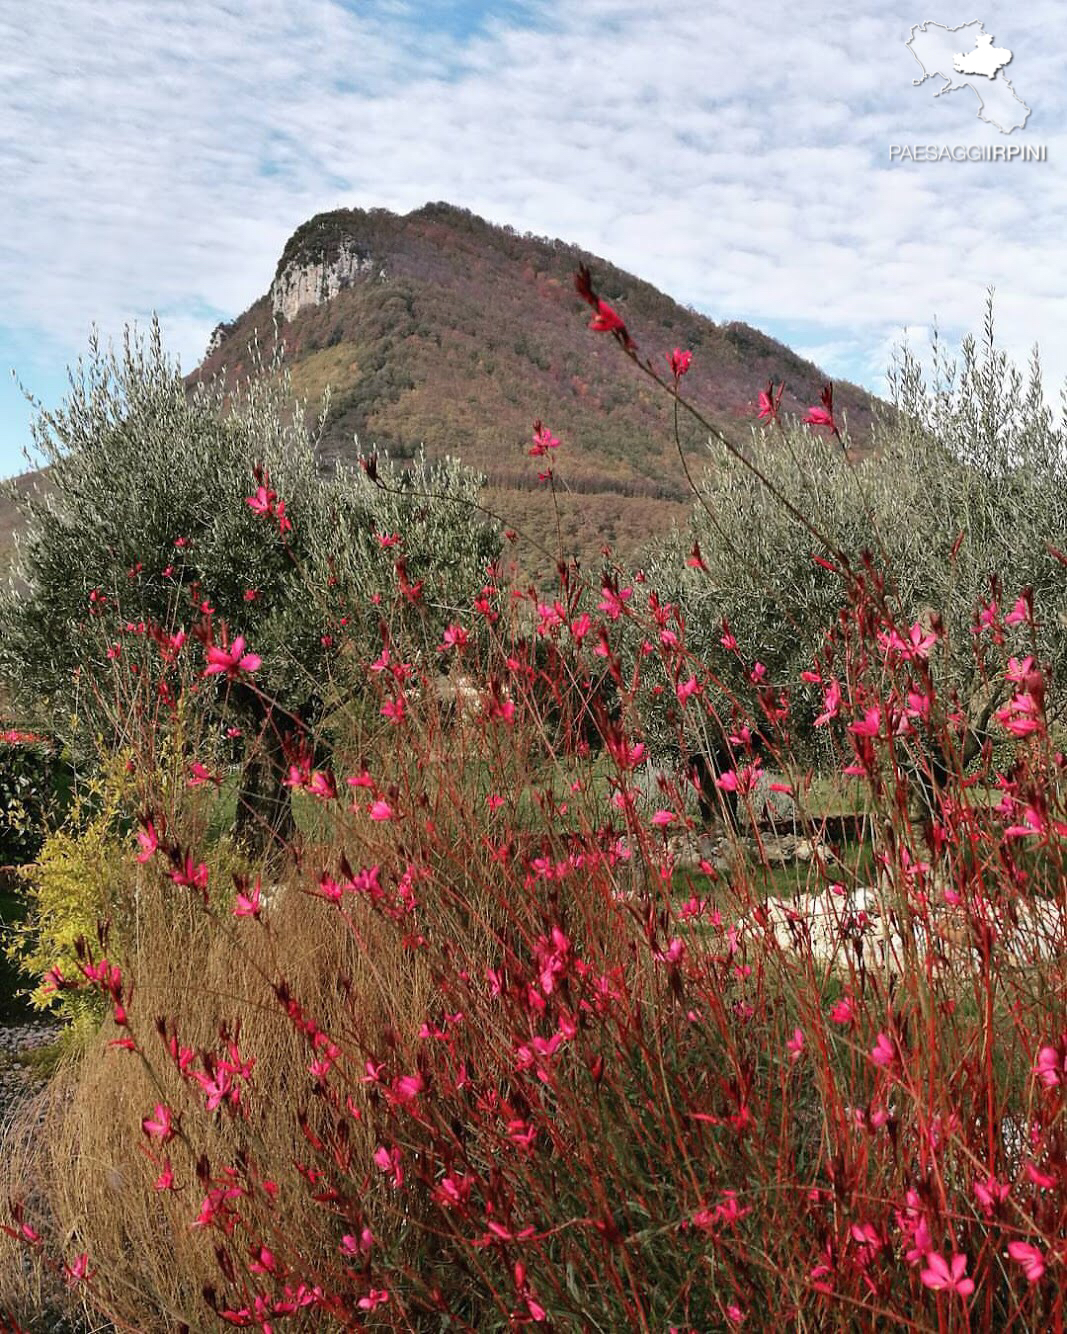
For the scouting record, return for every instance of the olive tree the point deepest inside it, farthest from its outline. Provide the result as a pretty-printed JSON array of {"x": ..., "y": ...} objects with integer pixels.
[
  {"x": 172, "y": 512},
  {"x": 958, "y": 501}
]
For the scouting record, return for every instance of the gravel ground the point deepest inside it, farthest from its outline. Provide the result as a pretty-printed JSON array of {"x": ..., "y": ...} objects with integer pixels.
[
  {"x": 18, "y": 1082},
  {"x": 16, "y": 1079}
]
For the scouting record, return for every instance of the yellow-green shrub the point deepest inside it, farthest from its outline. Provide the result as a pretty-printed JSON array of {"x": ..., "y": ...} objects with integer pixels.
[{"x": 79, "y": 880}]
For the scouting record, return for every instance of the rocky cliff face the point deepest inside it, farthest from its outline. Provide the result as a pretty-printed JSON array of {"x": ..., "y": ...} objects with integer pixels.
[{"x": 312, "y": 283}]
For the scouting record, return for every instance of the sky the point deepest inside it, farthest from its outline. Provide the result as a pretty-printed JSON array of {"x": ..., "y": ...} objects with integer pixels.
[{"x": 156, "y": 155}]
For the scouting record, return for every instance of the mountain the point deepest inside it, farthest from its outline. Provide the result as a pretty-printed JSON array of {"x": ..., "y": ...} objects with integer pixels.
[
  {"x": 10, "y": 518},
  {"x": 440, "y": 329}
]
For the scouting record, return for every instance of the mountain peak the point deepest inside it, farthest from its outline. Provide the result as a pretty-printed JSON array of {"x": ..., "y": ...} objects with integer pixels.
[
  {"x": 324, "y": 256},
  {"x": 441, "y": 330}
]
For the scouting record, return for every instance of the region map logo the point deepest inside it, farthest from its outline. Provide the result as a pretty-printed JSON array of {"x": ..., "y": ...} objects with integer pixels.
[
  {"x": 966, "y": 60},
  {"x": 965, "y": 57}
]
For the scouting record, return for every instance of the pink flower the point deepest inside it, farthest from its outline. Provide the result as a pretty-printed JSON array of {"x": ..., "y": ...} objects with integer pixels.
[
  {"x": 1033, "y": 822},
  {"x": 1022, "y": 715},
  {"x": 247, "y": 904},
  {"x": 987, "y": 620},
  {"x": 1051, "y": 1065},
  {"x": 381, "y": 810},
  {"x": 170, "y": 645},
  {"x": 186, "y": 874},
  {"x": 389, "y": 1160},
  {"x": 613, "y": 603},
  {"x": 1031, "y": 1259},
  {"x": 395, "y": 709},
  {"x": 323, "y": 785},
  {"x": 796, "y": 1045},
  {"x": 844, "y": 1011},
  {"x": 947, "y": 1276},
  {"x": 361, "y": 1245},
  {"x": 686, "y": 689},
  {"x": 1042, "y": 1180},
  {"x": 55, "y": 981},
  {"x": 823, "y": 416},
  {"x": 375, "y": 1297},
  {"x": 679, "y": 361},
  {"x": 217, "y": 1088},
  {"x": 543, "y": 440},
  {"x": 871, "y": 723},
  {"x": 991, "y": 1192},
  {"x": 912, "y": 1222},
  {"x": 662, "y": 819},
  {"x": 867, "y": 1238},
  {"x": 606, "y": 319},
  {"x": 581, "y": 627},
  {"x": 231, "y": 661},
  {"x": 625, "y": 754},
  {"x": 262, "y": 502},
  {"x": 674, "y": 953},
  {"x": 408, "y": 1087},
  {"x": 916, "y": 647},
  {"x": 1018, "y": 671},
  {"x": 831, "y": 704},
  {"x": 741, "y": 780},
  {"x": 769, "y": 402},
  {"x": 499, "y": 708},
  {"x": 1021, "y": 613},
  {"x": 883, "y": 1053},
  {"x": 13, "y": 737},
  {"x": 550, "y": 616},
  {"x": 78, "y": 1271},
  {"x": 455, "y": 636},
  {"x": 160, "y": 1125},
  {"x": 148, "y": 839}
]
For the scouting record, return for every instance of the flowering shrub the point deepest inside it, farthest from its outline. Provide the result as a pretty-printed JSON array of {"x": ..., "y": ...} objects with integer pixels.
[{"x": 507, "y": 1048}]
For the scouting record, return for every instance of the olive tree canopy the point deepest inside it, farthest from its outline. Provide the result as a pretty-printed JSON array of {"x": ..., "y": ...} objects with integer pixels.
[
  {"x": 957, "y": 502},
  {"x": 172, "y": 512}
]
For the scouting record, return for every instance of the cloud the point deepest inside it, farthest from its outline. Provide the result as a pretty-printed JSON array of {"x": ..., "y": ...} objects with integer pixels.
[{"x": 157, "y": 154}]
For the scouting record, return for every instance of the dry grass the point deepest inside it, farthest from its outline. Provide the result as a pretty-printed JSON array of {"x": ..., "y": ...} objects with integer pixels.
[{"x": 79, "y": 1151}]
